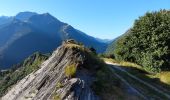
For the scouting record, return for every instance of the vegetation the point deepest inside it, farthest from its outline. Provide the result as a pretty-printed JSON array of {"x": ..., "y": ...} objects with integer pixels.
[
  {"x": 107, "y": 84},
  {"x": 56, "y": 97},
  {"x": 123, "y": 63},
  {"x": 164, "y": 77},
  {"x": 93, "y": 50},
  {"x": 59, "y": 85},
  {"x": 103, "y": 84},
  {"x": 17, "y": 72},
  {"x": 70, "y": 70},
  {"x": 147, "y": 42},
  {"x": 160, "y": 80},
  {"x": 111, "y": 46}
]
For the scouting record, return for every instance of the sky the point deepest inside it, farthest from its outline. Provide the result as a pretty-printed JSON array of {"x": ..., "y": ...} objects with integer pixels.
[{"x": 106, "y": 19}]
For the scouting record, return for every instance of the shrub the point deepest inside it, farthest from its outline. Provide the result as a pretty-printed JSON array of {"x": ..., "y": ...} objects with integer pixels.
[{"x": 70, "y": 70}]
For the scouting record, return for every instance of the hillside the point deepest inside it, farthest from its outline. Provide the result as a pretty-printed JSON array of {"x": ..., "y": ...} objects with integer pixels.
[
  {"x": 29, "y": 32},
  {"x": 19, "y": 71},
  {"x": 112, "y": 44}
]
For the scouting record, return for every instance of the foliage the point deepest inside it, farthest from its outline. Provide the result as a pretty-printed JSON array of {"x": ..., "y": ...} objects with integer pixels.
[
  {"x": 19, "y": 71},
  {"x": 106, "y": 55},
  {"x": 70, "y": 70},
  {"x": 147, "y": 42},
  {"x": 93, "y": 50},
  {"x": 110, "y": 48}
]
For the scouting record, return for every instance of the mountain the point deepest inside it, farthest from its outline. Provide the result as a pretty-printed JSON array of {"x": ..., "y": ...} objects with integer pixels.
[
  {"x": 5, "y": 20},
  {"x": 24, "y": 16},
  {"x": 111, "y": 47},
  {"x": 112, "y": 44},
  {"x": 30, "y": 32},
  {"x": 104, "y": 40}
]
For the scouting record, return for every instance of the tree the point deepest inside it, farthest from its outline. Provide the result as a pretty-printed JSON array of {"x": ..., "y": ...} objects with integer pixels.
[
  {"x": 93, "y": 50},
  {"x": 148, "y": 42}
]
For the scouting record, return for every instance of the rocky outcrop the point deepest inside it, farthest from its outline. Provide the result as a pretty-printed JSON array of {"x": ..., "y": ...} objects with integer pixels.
[{"x": 50, "y": 81}]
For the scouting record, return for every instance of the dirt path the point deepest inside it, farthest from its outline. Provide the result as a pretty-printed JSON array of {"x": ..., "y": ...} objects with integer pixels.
[{"x": 115, "y": 67}]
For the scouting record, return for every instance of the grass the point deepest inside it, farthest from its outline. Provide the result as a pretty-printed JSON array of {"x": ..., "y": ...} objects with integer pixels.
[
  {"x": 59, "y": 85},
  {"x": 103, "y": 85},
  {"x": 70, "y": 45},
  {"x": 108, "y": 85},
  {"x": 164, "y": 77},
  {"x": 70, "y": 70},
  {"x": 56, "y": 97},
  {"x": 76, "y": 46}
]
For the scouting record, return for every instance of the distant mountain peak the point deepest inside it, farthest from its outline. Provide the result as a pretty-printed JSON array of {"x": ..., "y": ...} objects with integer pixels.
[
  {"x": 47, "y": 14},
  {"x": 25, "y": 15}
]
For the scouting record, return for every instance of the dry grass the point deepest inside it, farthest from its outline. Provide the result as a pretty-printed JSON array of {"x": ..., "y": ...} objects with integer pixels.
[
  {"x": 76, "y": 46},
  {"x": 70, "y": 70},
  {"x": 56, "y": 97},
  {"x": 70, "y": 45},
  {"x": 123, "y": 63},
  {"x": 164, "y": 77}
]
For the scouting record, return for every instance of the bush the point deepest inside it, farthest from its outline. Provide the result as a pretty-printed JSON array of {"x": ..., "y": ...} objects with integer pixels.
[
  {"x": 106, "y": 55},
  {"x": 70, "y": 70},
  {"x": 147, "y": 43}
]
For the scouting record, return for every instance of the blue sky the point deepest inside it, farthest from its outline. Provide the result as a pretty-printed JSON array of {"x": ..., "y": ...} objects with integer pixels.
[{"x": 98, "y": 18}]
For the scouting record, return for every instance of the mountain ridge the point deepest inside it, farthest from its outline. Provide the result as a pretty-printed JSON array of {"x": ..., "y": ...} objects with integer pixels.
[{"x": 42, "y": 32}]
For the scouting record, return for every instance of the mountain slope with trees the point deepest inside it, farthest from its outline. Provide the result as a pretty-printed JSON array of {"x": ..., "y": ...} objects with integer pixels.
[{"x": 19, "y": 71}]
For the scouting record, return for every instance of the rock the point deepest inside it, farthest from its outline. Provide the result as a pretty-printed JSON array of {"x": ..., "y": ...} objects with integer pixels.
[{"x": 42, "y": 84}]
